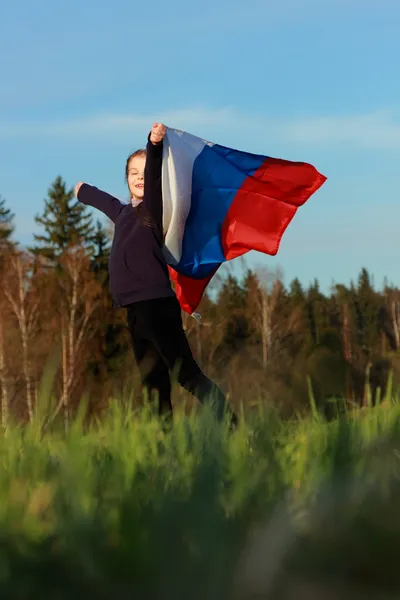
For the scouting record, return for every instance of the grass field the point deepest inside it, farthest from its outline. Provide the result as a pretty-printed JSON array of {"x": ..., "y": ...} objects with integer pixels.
[{"x": 123, "y": 509}]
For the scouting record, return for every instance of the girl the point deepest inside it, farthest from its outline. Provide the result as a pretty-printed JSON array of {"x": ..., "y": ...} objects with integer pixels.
[{"x": 139, "y": 280}]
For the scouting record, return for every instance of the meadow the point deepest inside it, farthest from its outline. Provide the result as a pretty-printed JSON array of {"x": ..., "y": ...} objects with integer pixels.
[{"x": 125, "y": 507}]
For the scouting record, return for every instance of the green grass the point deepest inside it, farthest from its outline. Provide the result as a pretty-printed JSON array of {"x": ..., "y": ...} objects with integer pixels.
[{"x": 124, "y": 509}]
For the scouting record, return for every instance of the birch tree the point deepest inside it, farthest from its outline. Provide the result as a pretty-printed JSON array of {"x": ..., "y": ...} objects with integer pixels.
[
  {"x": 79, "y": 295},
  {"x": 264, "y": 288},
  {"x": 19, "y": 290},
  {"x": 4, "y": 389}
]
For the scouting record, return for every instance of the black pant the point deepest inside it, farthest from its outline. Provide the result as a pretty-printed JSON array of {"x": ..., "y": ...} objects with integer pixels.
[{"x": 160, "y": 347}]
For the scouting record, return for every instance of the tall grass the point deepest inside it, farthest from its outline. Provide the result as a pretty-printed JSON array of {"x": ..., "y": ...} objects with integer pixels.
[{"x": 126, "y": 508}]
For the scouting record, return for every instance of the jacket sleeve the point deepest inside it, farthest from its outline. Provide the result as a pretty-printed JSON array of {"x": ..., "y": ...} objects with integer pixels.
[
  {"x": 92, "y": 196},
  {"x": 152, "y": 199}
]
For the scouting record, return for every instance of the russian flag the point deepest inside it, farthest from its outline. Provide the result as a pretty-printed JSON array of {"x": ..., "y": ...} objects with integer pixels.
[{"x": 219, "y": 203}]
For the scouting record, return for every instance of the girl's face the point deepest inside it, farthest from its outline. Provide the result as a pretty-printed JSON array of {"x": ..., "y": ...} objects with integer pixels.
[{"x": 136, "y": 177}]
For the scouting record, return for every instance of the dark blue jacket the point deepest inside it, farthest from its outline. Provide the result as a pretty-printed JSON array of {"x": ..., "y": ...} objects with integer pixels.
[{"x": 137, "y": 267}]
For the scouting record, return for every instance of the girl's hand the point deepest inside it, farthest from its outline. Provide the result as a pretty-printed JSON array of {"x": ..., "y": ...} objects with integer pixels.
[
  {"x": 77, "y": 187},
  {"x": 158, "y": 132}
]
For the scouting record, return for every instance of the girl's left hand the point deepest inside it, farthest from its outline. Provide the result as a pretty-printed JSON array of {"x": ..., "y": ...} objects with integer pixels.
[{"x": 158, "y": 132}]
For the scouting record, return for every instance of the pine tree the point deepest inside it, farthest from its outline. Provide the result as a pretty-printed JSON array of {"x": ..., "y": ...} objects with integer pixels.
[
  {"x": 316, "y": 312},
  {"x": 367, "y": 307},
  {"x": 101, "y": 244},
  {"x": 232, "y": 296},
  {"x": 6, "y": 224},
  {"x": 389, "y": 315},
  {"x": 66, "y": 223},
  {"x": 296, "y": 292},
  {"x": 252, "y": 289},
  {"x": 101, "y": 241},
  {"x": 232, "y": 304}
]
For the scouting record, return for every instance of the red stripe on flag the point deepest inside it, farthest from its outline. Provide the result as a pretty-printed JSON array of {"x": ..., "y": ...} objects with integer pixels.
[
  {"x": 189, "y": 291},
  {"x": 265, "y": 205}
]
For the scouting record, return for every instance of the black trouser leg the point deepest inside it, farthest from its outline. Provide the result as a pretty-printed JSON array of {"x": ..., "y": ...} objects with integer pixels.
[
  {"x": 162, "y": 321},
  {"x": 153, "y": 371},
  {"x": 197, "y": 383},
  {"x": 159, "y": 323}
]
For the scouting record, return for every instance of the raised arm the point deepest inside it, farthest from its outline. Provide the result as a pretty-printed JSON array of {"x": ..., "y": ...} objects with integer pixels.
[
  {"x": 152, "y": 198},
  {"x": 92, "y": 196}
]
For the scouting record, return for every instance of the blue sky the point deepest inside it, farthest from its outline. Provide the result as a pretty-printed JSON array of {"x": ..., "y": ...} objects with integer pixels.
[{"x": 297, "y": 79}]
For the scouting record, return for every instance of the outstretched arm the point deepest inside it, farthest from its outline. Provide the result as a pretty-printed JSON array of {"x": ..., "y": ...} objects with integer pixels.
[
  {"x": 92, "y": 196},
  {"x": 152, "y": 174}
]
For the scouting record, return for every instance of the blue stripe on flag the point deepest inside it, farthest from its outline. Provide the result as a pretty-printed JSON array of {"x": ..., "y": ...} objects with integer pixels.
[{"x": 218, "y": 173}]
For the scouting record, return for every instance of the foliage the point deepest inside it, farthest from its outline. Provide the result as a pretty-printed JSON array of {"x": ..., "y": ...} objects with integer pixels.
[
  {"x": 6, "y": 225},
  {"x": 128, "y": 509},
  {"x": 66, "y": 223}
]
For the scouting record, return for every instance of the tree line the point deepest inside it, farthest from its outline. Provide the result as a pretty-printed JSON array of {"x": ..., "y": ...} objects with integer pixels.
[{"x": 261, "y": 340}]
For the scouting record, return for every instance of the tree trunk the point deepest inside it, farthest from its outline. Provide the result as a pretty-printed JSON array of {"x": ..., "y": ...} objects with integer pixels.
[
  {"x": 25, "y": 340},
  {"x": 65, "y": 375},
  {"x": 267, "y": 304},
  {"x": 395, "y": 322},
  {"x": 79, "y": 301},
  {"x": 265, "y": 327},
  {"x": 346, "y": 335},
  {"x": 26, "y": 369},
  {"x": 26, "y": 322},
  {"x": 3, "y": 382}
]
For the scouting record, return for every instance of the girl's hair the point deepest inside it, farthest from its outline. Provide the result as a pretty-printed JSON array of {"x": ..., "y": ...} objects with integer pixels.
[{"x": 144, "y": 218}]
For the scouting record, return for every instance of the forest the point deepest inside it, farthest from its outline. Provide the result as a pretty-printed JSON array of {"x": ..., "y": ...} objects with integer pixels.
[{"x": 264, "y": 342}]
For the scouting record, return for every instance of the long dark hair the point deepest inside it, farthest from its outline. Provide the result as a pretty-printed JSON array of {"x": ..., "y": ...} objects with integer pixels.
[{"x": 143, "y": 217}]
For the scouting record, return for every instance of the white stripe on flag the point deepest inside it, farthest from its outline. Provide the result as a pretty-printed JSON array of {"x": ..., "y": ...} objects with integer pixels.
[{"x": 180, "y": 150}]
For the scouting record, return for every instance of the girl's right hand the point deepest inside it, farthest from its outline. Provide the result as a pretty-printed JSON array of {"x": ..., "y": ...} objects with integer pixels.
[
  {"x": 157, "y": 133},
  {"x": 77, "y": 187}
]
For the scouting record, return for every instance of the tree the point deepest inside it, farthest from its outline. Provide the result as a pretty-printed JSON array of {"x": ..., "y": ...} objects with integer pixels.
[
  {"x": 101, "y": 241},
  {"x": 390, "y": 316},
  {"x": 316, "y": 313},
  {"x": 263, "y": 292},
  {"x": 4, "y": 380},
  {"x": 232, "y": 302},
  {"x": 297, "y": 314},
  {"x": 296, "y": 292},
  {"x": 343, "y": 318},
  {"x": 101, "y": 246},
  {"x": 66, "y": 224},
  {"x": 6, "y": 224},
  {"x": 19, "y": 289},
  {"x": 78, "y": 301},
  {"x": 3, "y": 376},
  {"x": 6, "y": 229},
  {"x": 367, "y": 307}
]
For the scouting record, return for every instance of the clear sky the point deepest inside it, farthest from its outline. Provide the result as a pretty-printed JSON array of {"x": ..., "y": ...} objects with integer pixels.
[{"x": 312, "y": 80}]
